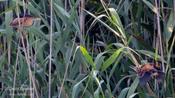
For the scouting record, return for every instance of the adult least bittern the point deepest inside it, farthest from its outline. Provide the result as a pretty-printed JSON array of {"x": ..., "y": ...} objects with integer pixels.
[{"x": 148, "y": 71}]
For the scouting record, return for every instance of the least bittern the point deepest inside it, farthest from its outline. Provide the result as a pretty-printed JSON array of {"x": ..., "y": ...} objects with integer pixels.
[
  {"x": 148, "y": 71},
  {"x": 22, "y": 21}
]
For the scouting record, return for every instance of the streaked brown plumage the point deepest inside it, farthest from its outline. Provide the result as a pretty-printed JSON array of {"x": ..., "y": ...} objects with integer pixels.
[
  {"x": 25, "y": 21},
  {"x": 148, "y": 71}
]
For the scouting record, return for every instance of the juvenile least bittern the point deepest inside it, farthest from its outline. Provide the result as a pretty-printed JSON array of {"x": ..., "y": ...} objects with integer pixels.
[{"x": 149, "y": 71}]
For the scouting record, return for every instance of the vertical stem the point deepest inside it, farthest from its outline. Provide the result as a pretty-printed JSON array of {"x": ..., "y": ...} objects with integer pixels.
[
  {"x": 24, "y": 7},
  {"x": 65, "y": 5},
  {"x": 14, "y": 79},
  {"x": 159, "y": 34},
  {"x": 82, "y": 18},
  {"x": 9, "y": 52},
  {"x": 174, "y": 10},
  {"x": 50, "y": 45},
  {"x": 82, "y": 6}
]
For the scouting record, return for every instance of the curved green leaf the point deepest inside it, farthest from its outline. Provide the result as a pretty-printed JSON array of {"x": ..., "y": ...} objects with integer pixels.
[
  {"x": 111, "y": 59},
  {"x": 87, "y": 56}
]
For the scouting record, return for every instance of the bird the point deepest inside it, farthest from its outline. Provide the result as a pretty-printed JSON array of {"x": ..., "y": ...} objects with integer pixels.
[
  {"x": 22, "y": 21},
  {"x": 149, "y": 71},
  {"x": 145, "y": 68}
]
